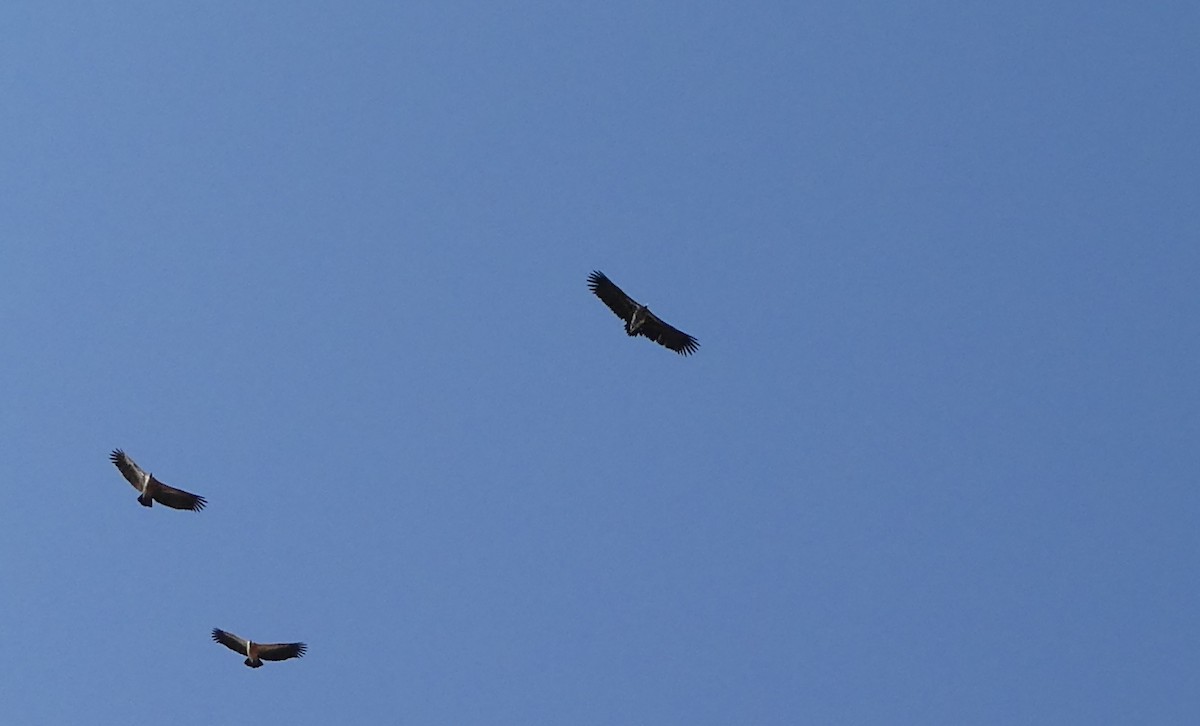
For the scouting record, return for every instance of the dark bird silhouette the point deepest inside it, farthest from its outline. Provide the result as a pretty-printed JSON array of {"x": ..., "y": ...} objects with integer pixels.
[
  {"x": 256, "y": 653},
  {"x": 151, "y": 490},
  {"x": 638, "y": 318}
]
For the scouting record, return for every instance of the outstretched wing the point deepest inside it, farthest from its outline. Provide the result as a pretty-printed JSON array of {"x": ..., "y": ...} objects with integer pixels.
[
  {"x": 281, "y": 651},
  {"x": 230, "y": 641},
  {"x": 665, "y": 335},
  {"x": 612, "y": 296},
  {"x": 176, "y": 498},
  {"x": 128, "y": 468}
]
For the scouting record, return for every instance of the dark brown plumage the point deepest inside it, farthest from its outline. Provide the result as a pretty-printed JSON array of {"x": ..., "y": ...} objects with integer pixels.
[
  {"x": 256, "y": 653},
  {"x": 151, "y": 490},
  {"x": 638, "y": 318}
]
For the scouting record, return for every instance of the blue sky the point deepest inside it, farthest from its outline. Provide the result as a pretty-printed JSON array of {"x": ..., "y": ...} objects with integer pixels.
[{"x": 324, "y": 264}]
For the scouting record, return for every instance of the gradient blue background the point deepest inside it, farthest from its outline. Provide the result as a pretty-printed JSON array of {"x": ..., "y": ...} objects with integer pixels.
[{"x": 324, "y": 264}]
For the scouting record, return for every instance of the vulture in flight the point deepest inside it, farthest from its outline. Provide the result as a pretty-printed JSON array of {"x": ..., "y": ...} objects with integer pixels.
[
  {"x": 256, "y": 653},
  {"x": 151, "y": 490},
  {"x": 638, "y": 318}
]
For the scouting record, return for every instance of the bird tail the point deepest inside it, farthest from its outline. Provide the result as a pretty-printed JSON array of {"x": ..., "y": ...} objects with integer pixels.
[
  {"x": 145, "y": 500},
  {"x": 253, "y": 663}
]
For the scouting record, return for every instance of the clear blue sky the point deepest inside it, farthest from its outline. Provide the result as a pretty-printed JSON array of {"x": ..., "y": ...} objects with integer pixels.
[{"x": 324, "y": 264}]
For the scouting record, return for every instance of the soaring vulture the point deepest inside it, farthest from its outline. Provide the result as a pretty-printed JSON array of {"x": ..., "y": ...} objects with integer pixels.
[
  {"x": 151, "y": 490},
  {"x": 638, "y": 318},
  {"x": 256, "y": 653}
]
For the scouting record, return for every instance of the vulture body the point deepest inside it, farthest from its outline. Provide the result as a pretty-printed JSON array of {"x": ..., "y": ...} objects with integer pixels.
[
  {"x": 638, "y": 318},
  {"x": 256, "y": 653},
  {"x": 150, "y": 489}
]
